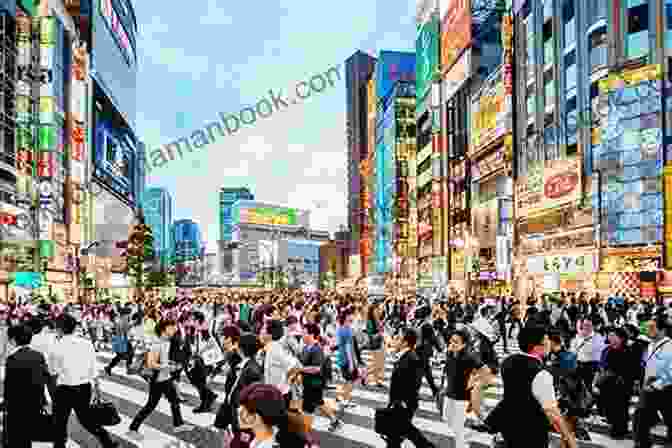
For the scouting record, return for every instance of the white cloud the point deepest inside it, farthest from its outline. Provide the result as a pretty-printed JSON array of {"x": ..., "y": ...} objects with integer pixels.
[
  {"x": 325, "y": 201},
  {"x": 322, "y": 163},
  {"x": 256, "y": 146}
]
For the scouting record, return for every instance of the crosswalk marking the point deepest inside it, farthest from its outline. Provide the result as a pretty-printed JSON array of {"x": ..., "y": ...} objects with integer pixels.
[{"x": 129, "y": 393}]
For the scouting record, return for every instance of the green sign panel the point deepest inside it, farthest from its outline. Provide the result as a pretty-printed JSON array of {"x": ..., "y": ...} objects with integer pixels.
[{"x": 427, "y": 50}]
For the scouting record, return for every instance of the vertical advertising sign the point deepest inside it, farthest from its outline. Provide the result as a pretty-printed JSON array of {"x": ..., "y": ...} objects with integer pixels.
[
  {"x": 489, "y": 114},
  {"x": 427, "y": 49},
  {"x": 456, "y": 27},
  {"x": 25, "y": 141},
  {"x": 667, "y": 185},
  {"x": 47, "y": 144}
]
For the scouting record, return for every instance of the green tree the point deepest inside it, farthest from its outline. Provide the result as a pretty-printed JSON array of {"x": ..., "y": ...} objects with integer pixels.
[{"x": 140, "y": 249}]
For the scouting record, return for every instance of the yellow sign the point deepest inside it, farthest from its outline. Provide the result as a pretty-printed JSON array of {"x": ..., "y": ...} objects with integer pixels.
[
  {"x": 631, "y": 77},
  {"x": 489, "y": 113},
  {"x": 667, "y": 185}
]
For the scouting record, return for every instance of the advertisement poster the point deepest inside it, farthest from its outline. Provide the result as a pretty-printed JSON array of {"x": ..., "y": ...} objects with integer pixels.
[
  {"x": 560, "y": 184},
  {"x": 427, "y": 49},
  {"x": 25, "y": 148},
  {"x": 457, "y": 31},
  {"x": 489, "y": 114}
]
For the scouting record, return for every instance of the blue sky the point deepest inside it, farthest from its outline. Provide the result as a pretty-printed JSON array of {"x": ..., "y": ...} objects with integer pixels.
[{"x": 221, "y": 56}]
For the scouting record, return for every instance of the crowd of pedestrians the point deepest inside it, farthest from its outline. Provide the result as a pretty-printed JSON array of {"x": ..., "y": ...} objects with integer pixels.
[{"x": 577, "y": 359}]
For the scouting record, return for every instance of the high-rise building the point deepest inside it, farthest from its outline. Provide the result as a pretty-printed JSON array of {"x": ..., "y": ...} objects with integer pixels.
[
  {"x": 395, "y": 182},
  {"x": 358, "y": 70},
  {"x": 188, "y": 244},
  {"x": 158, "y": 209},
  {"x": 227, "y": 197}
]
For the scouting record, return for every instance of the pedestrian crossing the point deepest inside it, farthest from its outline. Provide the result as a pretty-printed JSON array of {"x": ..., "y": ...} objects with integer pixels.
[{"x": 129, "y": 393}]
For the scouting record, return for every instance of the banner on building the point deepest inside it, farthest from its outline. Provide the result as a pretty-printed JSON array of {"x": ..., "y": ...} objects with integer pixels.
[
  {"x": 427, "y": 51},
  {"x": 490, "y": 114},
  {"x": 560, "y": 184}
]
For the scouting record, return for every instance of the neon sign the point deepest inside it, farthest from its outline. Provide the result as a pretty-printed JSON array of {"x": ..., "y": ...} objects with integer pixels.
[{"x": 113, "y": 22}]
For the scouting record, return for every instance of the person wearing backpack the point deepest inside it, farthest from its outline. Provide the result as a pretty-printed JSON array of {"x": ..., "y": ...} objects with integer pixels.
[{"x": 161, "y": 384}]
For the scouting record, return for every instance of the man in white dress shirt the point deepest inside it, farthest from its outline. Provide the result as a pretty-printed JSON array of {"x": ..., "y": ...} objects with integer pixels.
[
  {"x": 43, "y": 341},
  {"x": 74, "y": 363}
]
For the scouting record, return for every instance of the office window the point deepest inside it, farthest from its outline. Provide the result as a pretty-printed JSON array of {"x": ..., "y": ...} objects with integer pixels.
[
  {"x": 570, "y": 70},
  {"x": 637, "y": 37},
  {"x": 569, "y": 22}
]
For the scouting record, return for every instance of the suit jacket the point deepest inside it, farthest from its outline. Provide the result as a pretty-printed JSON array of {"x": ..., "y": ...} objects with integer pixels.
[
  {"x": 406, "y": 380},
  {"x": 26, "y": 375},
  {"x": 251, "y": 373},
  {"x": 228, "y": 410}
]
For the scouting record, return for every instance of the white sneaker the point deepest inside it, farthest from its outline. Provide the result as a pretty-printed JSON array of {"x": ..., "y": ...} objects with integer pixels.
[
  {"x": 183, "y": 428},
  {"x": 135, "y": 435}
]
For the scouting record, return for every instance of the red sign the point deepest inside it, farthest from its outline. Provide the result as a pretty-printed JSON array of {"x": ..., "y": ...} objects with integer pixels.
[
  {"x": 560, "y": 185},
  {"x": 7, "y": 220},
  {"x": 46, "y": 165}
]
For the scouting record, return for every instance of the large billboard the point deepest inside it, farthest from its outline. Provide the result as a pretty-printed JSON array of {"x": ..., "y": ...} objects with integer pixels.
[
  {"x": 490, "y": 114},
  {"x": 266, "y": 215},
  {"x": 393, "y": 66},
  {"x": 559, "y": 183},
  {"x": 114, "y": 56},
  {"x": 115, "y": 158},
  {"x": 456, "y": 31},
  {"x": 629, "y": 154},
  {"x": 427, "y": 49}
]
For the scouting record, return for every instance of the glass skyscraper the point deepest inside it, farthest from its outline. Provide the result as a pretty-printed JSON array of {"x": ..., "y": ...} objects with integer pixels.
[
  {"x": 227, "y": 197},
  {"x": 157, "y": 206}
]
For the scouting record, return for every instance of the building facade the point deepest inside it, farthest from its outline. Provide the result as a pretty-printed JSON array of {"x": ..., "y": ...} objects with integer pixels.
[
  {"x": 395, "y": 181},
  {"x": 188, "y": 251},
  {"x": 116, "y": 163},
  {"x": 599, "y": 126},
  {"x": 359, "y": 69},
  {"x": 42, "y": 150},
  {"x": 157, "y": 207}
]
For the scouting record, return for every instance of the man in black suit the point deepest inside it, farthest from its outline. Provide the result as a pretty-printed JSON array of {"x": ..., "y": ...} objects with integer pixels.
[
  {"x": 244, "y": 370},
  {"x": 25, "y": 380},
  {"x": 404, "y": 392}
]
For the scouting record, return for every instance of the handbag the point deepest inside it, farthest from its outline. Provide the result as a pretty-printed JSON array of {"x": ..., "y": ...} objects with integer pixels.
[
  {"x": 104, "y": 413},
  {"x": 390, "y": 421},
  {"x": 119, "y": 344},
  {"x": 44, "y": 428}
]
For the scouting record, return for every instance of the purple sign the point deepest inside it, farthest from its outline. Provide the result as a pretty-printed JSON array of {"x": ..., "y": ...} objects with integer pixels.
[
  {"x": 487, "y": 275},
  {"x": 517, "y": 5}
]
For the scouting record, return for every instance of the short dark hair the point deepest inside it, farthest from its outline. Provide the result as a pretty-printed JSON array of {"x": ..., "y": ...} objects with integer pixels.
[
  {"x": 66, "y": 323},
  {"x": 312, "y": 329},
  {"x": 531, "y": 336},
  {"x": 22, "y": 334},
  {"x": 248, "y": 344},
  {"x": 276, "y": 330},
  {"x": 163, "y": 324},
  {"x": 231, "y": 332},
  {"x": 410, "y": 336}
]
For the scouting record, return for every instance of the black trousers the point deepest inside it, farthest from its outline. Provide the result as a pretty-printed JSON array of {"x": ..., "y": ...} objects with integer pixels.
[
  {"x": 118, "y": 357},
  {"x": 646, "y": 416},
  {"x": 587, "y": 371},
  {"x": 77, "y": 398},
  {"x": 198, "y": 377},
  {"x": 410, "y": 432},
  {"x": 157, "y": 390},
  {"x": 427, "y": 373},
  {"x": 15, "y": 417}
]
